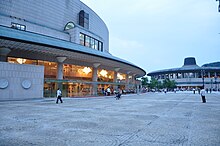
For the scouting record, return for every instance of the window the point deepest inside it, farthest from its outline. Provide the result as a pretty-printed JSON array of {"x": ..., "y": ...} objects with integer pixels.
[
  {"x": 100, "y": 46},
  {"x": 69, "y": 25},
  {"x": 18, "y": 26},
  {"x": 87, "y": 43},
  {"x": 90, "y": 42},
  {"x": 82, "y": 39},
  {"x": 96, "y": 44},
  {"x": 84, "y": 19}
]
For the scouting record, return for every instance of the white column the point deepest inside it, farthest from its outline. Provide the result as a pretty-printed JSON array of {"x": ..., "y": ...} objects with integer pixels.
[
  {"x": 115, "y": 77},
  {"x": 127, "y": 80},
  {"x": 60, "y": 61},
  {"x": 95, "y": 78}
]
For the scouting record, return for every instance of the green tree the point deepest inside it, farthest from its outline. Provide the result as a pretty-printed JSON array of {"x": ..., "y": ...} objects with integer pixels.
[
  {"x": 167, "y": 83},
  {"x": 144, "y": 81},
  {"x": 153, "y": 83}
]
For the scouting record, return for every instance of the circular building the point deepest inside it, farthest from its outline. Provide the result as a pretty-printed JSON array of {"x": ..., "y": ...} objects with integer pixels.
[
  {"x": 190, "y": 75},
  {"x": 58, "y": 43}
]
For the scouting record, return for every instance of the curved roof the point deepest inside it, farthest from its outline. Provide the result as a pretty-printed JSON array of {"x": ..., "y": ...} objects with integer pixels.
[
  {"x": 30, "y": 42},
  {"x": 189, "y": 68}
]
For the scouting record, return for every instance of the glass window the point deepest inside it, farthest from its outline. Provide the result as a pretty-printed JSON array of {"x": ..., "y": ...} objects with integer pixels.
[
  {"x": 105, "y": 75},
  {"x": 18, "y": 26},
  {"x": 121, "y": 77},
  {"x": 84, "y": 19},
  {"x": 96, "y": 45},
  {"x": 92, "y": 43},
  {"x": 22, "y": 27},
  {"x": 87, "y": 42},
  {"x": 77, "y": 72},
  {"x": 69, "y": 25},
  {"x": 100, "y": 46},
  {"x": 82, "y": 39}
]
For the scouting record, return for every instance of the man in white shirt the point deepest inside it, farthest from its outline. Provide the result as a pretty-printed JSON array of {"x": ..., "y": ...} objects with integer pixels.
[
  {"x": 59, "y": 95},
  {"x": 203, "y": 95},
  {"x": 108, "y": 91}
]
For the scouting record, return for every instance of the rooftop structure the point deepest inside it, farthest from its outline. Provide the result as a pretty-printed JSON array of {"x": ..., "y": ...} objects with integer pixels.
[{"x": 190, "y": 75}]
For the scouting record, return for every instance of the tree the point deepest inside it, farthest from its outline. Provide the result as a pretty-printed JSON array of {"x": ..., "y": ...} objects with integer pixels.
[
  {"x": 167, "y": 83},
  {"x": 153, "y": 83},
  {"x": 144, "y": 81}
]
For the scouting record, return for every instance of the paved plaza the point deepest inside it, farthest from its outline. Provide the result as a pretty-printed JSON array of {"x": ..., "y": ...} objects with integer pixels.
[{"x": 151, "y": 119}]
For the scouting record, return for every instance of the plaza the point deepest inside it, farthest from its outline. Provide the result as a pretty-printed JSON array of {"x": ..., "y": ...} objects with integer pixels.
[{"x": 151, "y": 119}]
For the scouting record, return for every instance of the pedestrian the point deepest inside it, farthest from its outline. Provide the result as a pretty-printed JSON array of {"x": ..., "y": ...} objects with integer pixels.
[
  {"x": 108, "y": 91},
  {"x": 59, "y": 95},
  {"x": 203, "y": 95},
  {"x": 194, "y": 90},
  {"x": 165, "y": 90},
  {"x": 118, "y": 94},
  {"x": 199, "y": 90}
]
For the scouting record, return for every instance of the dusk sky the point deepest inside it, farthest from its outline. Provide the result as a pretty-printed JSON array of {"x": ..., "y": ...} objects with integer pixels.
[{"x": 159, "y": 34}]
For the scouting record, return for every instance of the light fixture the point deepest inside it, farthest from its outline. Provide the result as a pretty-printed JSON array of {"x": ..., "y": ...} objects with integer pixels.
[
  {"x": 104, "y": 73},
  {"x": 86, "y": 70},
  {"x": 21, "y": 60},
  {"x": 119, "y": 76}
]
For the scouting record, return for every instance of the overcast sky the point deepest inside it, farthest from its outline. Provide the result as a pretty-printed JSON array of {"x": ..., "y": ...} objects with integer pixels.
[{"x": 159, "y": 34}]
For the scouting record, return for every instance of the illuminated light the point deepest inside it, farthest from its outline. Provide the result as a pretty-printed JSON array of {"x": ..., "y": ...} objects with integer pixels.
[
  {"x": 86, "y": 70},
  {"x": 119, "y": 76},
  {"x": 110, "y": 77},
  {"x": 21, "y": 61},
  {"x": 103, "y": 73}
]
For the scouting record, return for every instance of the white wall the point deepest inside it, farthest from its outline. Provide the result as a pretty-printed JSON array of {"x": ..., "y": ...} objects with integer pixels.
[{"x": 14, "y": 77}]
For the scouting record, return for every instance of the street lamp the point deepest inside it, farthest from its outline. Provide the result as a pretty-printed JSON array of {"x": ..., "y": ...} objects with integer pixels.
[
  {"x": 218, "y": 6},
  {"x": 203, "y": 73},
  {"x": 216, "y": 83}
]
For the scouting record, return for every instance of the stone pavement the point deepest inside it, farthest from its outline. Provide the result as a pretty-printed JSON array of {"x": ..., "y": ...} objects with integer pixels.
[{"x": 151, "y": 119}]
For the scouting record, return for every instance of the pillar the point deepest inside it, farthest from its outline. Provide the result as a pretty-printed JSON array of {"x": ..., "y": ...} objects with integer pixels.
[
  {"x": 115, "y": 78},
  {"x": 195, "y": 75},
  {"x": 95, "y": 78},
  {"x": 4, "y": 53},
  {"x": 60, "y": 61},
  {"x": 127, "y": 80}
]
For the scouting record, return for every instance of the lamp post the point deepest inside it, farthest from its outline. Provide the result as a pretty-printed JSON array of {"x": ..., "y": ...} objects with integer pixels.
[
  {"x": 203, "y": 73},
  {"x": 218, "y": 6},
  {"x": 216, "y": 83}
]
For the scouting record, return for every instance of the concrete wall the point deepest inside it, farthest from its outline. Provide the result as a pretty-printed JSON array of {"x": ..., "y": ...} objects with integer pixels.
[{"x": 19, "y": 81}]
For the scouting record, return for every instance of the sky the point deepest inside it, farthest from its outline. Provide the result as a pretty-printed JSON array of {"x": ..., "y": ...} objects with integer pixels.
[{"x": 159, "y": 34}]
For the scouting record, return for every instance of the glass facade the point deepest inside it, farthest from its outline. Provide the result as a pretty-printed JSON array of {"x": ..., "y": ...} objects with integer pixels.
[
  {"x": 77, "y": 72},
  {"x": 77, "y": 80},
  {"x": 90, "y": 42},
  {"x": 105, "y": 75}
]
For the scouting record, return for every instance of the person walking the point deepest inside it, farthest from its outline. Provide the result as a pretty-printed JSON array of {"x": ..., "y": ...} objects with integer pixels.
[
  {"x": 59, "y": 95},
  {"x": 118, "y": 94},
  {"x": 108, "y": 91},
  {"x": 203, "y": 95}
]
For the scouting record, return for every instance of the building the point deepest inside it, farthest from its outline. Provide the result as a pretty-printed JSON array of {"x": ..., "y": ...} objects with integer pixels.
[
  {"x": 47, "y": 44},
  {"x": 190, "y": 75}
]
